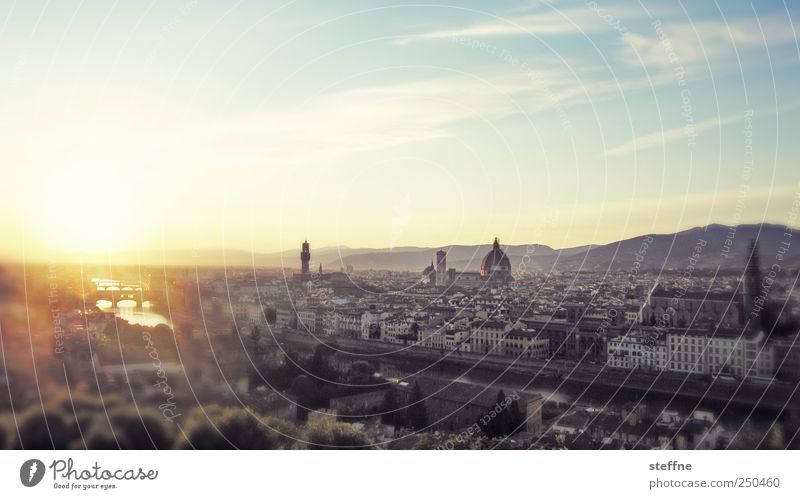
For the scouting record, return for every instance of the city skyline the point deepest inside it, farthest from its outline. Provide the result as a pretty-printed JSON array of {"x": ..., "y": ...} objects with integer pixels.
[{"x": 253, "y": 126}]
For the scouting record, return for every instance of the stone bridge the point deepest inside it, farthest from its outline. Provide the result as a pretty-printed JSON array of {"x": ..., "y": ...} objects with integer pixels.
[{"x": 115, "y": 291}]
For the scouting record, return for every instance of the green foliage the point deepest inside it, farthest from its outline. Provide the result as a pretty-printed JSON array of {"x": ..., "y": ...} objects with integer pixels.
[
  {"x": 99, "y": 437},
  {"x": 229, "y": 428},
  {"x": 360, "y": 373},
  {"x": 327, "y": 433},
  {"x": 751, "y": 437},
  {"x": 389, "y": 409},
  {"x": 126, "y": 427},
  {"x": 317, "y": 370},
  {"x": 86, "y": 422},
  {"x": 140, "y": 428},
  {"x": 286, "y": 432},
  {"x": 416, "y": 416},
  {"x": 110, "y": 331},
  {"x": 429, "y": 441},
  {"x": 775, "y": 438},
  {"x": 278, "y": 378},
  {"x": 4, "y": 431},
  {"x": 505, "y": 418},
  {"x": 306, "y": 394},
  {"x": 48, "y": 429},
  {"x": 320, "y": 367},
  {"x": 302, "y": 388}
]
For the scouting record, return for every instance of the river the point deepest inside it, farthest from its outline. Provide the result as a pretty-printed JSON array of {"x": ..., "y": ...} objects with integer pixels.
[{"x": 127, "y": 310}]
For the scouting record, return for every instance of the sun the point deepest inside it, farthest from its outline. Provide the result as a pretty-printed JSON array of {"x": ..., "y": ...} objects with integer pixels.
[{"x": 82, "y": 211}]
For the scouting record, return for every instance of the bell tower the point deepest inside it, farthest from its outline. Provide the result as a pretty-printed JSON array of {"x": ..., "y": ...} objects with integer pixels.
[
  {"x": 441, "y": 268},
  {"x": 305, "y": 258},
  {"x": 751, "y": 280}
]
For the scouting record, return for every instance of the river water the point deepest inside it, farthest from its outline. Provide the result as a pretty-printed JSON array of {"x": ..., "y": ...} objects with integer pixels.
[{"x": 127, "y": 310}]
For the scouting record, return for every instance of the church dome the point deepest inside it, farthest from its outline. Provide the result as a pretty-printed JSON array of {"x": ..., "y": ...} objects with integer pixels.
[{"x": 496, "y": 265}]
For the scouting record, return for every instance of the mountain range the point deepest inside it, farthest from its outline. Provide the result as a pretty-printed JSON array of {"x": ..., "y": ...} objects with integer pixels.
[{"x": 719, "y": 245}]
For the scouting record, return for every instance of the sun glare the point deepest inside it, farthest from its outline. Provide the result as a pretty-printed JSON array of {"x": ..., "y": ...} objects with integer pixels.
[{"x": 82, "y": 213}]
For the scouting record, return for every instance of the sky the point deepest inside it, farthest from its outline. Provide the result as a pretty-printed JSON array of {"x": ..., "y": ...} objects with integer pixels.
[{"x": 134, "y": 126}]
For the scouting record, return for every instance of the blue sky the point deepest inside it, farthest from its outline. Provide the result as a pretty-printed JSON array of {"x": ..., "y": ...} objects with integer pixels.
[{"x": 256, "y": 124}]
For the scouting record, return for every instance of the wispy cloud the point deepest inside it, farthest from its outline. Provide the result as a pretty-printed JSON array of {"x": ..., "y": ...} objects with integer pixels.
[
  {"x": 379, "y": 116},
  {"x": 656, "y": 139},
  {"x": 323, "y": 127},
  {"x": 691, "y": 44},
  {"x": 544, "y": 23}
]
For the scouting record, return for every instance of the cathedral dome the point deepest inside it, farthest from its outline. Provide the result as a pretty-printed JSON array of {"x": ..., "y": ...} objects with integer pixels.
[{"x": 496, "y": 265}]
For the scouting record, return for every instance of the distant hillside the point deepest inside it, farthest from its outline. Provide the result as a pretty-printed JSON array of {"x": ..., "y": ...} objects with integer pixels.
[
  {"x": 460, "y": 257},
  {"x": 670, "y": 251},
  {"x": 457, "y": 256}
]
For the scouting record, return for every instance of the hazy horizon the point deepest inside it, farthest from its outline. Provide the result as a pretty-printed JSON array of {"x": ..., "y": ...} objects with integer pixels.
[{"x": 129, "y": 259}]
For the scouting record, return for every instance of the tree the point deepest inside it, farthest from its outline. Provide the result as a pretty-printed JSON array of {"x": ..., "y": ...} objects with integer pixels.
[
  {"x": 515, "y": 418},
  {"x": 747, "y": 438},
  {"x": 360, "y": 373},
  {"x": 491, "y": 423},
  {"x": 504, "y": 419},
  {"x": 110, "y": 331},
  {"x": 775, "y": 438},
  {"x": 41, "y": 430},
  {"x": 85, "y": 406},
  {"x": 3, "y": 435},
  {"x": 428, "y": 441},
  {"x": 327, "y": 434},
  {"x": 230, "y": 428},
  {"x": 320, "y": 367},
  {"x": 389, "y": 409},
  {"x": 374, "y": 331},
  {"x": 139, "y": 429},
  {"x": 414, "y": 331},
  {"x": 306, "y": 395},
  {"x": 416, "y": 416},
  {"x": 282, "y": 377},
  {"x": 100, "y": 437}
]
